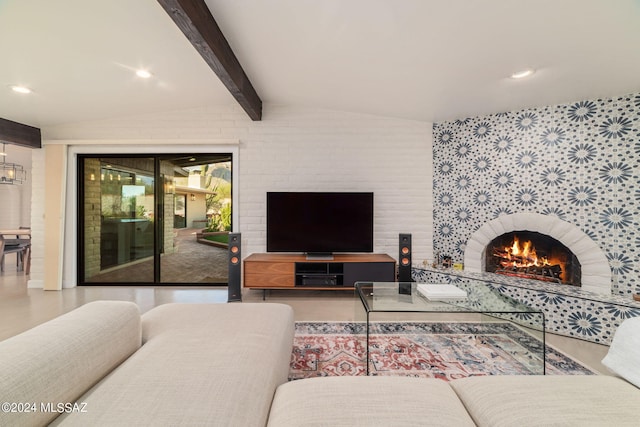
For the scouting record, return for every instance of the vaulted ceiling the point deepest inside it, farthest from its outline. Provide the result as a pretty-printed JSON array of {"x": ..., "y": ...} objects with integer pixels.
[{"x": 426, "y": 60}]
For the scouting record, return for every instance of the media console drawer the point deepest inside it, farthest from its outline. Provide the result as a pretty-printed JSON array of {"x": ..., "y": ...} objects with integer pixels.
[
  {"x": 268, "y": 281},
  {"x": 268, "y": 268},
  {"x": 273, "y": 271},
  {"x": 266, "y": 273}
]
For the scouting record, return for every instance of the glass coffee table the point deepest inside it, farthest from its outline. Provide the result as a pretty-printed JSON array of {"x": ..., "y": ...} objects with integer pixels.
[{"x": 401, "y": 301}]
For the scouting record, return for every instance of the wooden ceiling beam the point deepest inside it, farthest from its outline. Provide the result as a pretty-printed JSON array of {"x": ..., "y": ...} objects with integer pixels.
[
  {"x": 195, "y": 20},
  {"x": 19, "y": 134}
]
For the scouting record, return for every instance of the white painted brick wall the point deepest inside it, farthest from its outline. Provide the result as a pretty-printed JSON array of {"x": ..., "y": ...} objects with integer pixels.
[
  {"x": 328, "y": 151},
  {"x": 36, "y": 277},
  {"x": 298, "y": 149}
]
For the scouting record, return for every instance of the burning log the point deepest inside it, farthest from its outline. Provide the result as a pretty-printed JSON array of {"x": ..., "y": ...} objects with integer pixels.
[
  {"x": 530, "y": 256},
  {"x": 522, "y": 260},
  {"x": 555, "y": 270},
  {"x": 513, "y": 258}
]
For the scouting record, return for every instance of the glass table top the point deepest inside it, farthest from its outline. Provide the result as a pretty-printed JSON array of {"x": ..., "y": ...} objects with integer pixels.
[
  {"x": 404, "y": 297},
  {"x": 379, "y": 298}
]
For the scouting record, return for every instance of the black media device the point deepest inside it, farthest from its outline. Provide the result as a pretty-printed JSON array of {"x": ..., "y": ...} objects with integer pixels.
[
  {"x": 319, "y": 223},
  {"x": 404, "y": 288}
]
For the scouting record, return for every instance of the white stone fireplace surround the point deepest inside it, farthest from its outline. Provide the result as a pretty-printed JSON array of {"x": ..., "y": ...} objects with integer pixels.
[{"x": 596, "y": 273}]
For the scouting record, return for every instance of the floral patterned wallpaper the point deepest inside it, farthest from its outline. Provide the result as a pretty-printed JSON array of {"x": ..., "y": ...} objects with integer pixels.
[{"x": 579, "y": 162}]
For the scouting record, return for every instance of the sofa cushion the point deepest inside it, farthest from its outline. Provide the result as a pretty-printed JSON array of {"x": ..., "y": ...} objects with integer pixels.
[
  {"x": 58, "y": 361},
  {"x": 551, "y": 400},
  {"x": 200, "y": 364},
  {"x": 623, "y": 357},
  {"x": 367, "y": 401}
]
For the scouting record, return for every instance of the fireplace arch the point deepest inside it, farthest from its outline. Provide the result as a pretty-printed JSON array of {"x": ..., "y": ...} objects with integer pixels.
[{"x": 596, "y": 273}]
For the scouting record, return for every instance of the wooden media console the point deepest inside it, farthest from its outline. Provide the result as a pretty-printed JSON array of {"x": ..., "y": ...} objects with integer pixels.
[{"x": 287, "y": 271}]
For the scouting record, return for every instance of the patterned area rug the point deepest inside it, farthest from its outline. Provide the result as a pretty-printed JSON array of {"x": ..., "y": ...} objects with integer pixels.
[{"x": 438, "y": 350}]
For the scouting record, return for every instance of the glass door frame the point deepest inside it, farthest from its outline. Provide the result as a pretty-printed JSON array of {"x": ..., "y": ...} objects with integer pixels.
[{"x": 73, "y": 245}]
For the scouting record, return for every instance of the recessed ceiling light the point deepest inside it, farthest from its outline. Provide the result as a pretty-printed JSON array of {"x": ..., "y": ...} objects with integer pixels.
[
  {"x": 20, "y": 89},
  {"x": 144, "y": 74},
  {"x": 522, "y": 74}
]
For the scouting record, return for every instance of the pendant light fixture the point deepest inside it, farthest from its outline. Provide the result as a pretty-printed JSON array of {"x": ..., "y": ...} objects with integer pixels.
[{"x": 10, "y": 173}]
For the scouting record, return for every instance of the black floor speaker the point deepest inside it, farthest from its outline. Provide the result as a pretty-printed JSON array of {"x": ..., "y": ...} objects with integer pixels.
[
  {"x": 404, "y": 258},
  {"x": 235, "y": 263}
]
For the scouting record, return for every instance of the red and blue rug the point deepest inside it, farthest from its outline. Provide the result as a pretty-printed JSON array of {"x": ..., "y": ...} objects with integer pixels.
[{"x": 436, "y": 350}]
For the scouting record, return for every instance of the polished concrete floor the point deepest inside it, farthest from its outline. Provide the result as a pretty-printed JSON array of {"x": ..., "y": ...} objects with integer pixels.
[{"x": 22, "y": 308}]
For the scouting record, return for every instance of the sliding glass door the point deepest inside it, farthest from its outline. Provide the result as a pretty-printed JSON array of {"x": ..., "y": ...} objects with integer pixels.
[{"x": 149, "y": 219}]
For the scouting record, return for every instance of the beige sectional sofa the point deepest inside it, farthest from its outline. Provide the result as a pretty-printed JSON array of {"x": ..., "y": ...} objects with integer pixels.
[
  {"x": 227, "y": 364},
  {"x": 495, "y": 401},
  {"x": 178, "y": 364}
]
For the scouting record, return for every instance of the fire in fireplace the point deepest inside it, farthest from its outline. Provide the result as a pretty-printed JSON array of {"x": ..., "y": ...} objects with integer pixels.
[{"x": 533, "y": 255}]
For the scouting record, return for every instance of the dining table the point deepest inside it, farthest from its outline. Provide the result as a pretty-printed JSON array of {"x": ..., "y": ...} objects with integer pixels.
[{"x": 16, "y": 231}]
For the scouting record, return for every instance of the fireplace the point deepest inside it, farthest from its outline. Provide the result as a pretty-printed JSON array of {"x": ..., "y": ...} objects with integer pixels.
[
  {"x": 532, "y": 255},
  {"x": 595, "y": 273}
]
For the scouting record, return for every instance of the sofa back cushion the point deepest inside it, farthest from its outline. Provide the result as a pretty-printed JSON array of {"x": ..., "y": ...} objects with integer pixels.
[
  {"x": 200, "y": 364},
  {"x": 623, "y": 357},
  {"x": 549, "y": 400},
  {"x": 57, "y": 361}
]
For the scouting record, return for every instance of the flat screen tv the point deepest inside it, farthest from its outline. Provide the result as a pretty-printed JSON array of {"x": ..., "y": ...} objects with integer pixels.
[{"x": 319, "y": 223}]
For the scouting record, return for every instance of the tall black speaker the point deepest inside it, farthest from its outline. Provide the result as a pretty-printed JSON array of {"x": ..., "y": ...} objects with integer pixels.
[
  {"x": 404, "y": 258},
  {"x": 235, "y": 263}
]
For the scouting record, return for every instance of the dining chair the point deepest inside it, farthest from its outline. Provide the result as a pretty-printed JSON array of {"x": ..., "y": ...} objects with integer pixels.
[
  {"x": 24, "y": 258},
  {"x": 4, "y": 250}
]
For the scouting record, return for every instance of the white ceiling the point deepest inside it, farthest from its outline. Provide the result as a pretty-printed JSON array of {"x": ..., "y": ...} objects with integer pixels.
[{"x": 427, "y": 60}]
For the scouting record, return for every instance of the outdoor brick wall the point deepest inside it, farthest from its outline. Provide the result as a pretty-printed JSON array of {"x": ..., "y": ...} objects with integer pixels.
[{"x": 93, "y": 214}]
